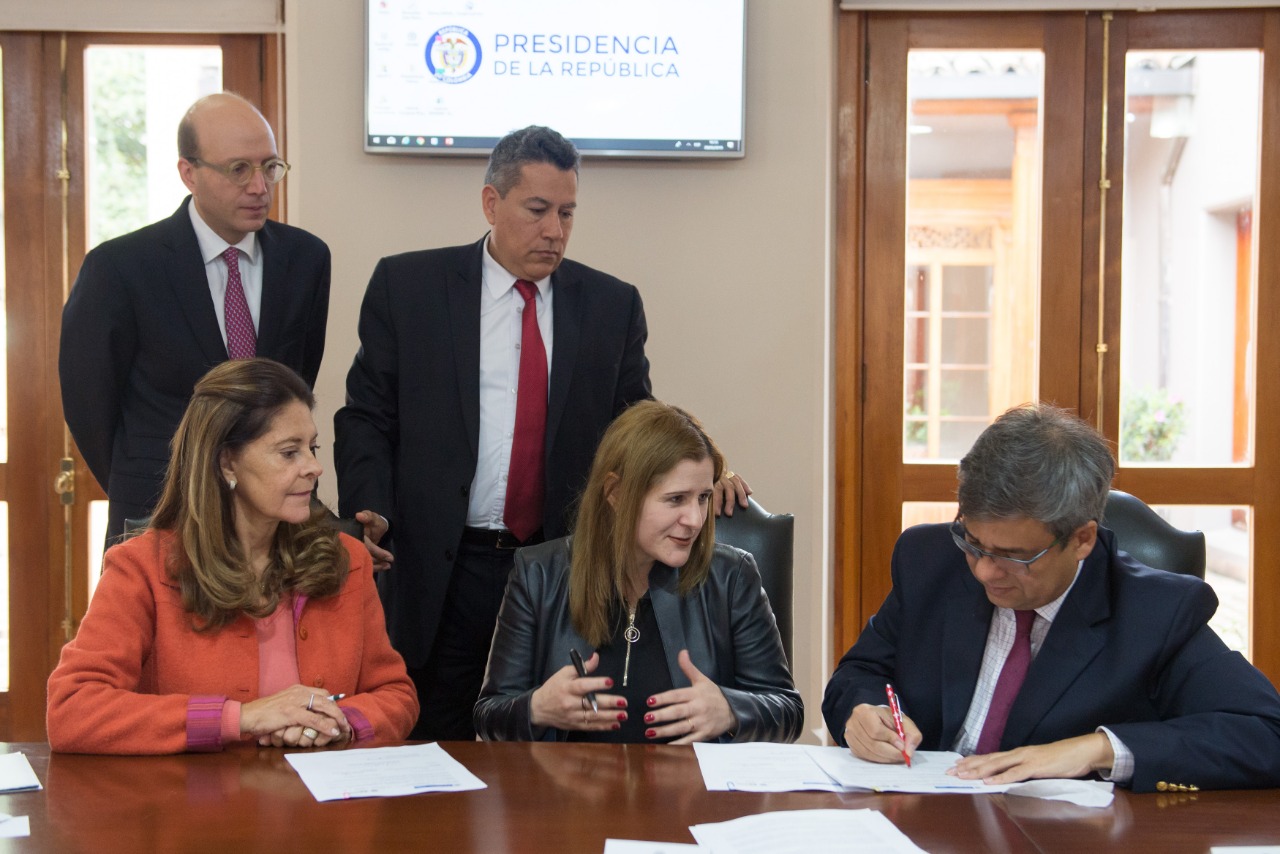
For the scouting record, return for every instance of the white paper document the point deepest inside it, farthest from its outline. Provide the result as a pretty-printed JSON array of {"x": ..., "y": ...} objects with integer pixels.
[
  {"x": 636, "y": 846},
  {"x": 382, "y": 772},
  {"x": 14, "y": 826},
  {"x": 16, "y": 774},
  {"x": 928, "y": 772},
  {"x": 761, "y": 767},
  {"x": 1083, "y": 793},
  {"x": 806, "y": 832}
]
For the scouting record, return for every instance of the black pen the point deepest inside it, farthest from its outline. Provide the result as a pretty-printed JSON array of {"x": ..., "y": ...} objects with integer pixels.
[{"x": 582, "y": 671}]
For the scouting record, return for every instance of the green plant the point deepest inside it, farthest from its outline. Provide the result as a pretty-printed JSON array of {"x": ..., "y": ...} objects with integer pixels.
[{"x": 1151, "y": 423}]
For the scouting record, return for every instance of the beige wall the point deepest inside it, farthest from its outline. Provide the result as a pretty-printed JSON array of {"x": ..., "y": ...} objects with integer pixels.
[{"x": 732, "y": 257}]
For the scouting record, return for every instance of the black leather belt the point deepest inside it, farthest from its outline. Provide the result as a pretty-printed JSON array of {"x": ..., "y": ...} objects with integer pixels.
[{"x": 496, "y": 538}]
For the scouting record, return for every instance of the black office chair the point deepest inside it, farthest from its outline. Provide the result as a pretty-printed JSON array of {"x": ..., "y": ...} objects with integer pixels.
[
  {"x": 1146, "y": 536},
  {"x": 769, "y": 538}
]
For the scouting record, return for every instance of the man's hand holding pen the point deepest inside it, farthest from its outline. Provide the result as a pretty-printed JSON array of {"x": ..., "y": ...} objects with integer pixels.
[{"x": 871, "y": 735}]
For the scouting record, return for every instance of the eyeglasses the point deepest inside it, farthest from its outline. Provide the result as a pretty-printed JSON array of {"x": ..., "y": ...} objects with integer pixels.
[
  {"x": 1016, "y": 565},
  {"x": 240, "y": 172}
]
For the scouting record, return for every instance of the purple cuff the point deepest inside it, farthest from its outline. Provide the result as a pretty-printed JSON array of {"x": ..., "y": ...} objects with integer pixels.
[
  {"x": 204, "y": 723},
  {"x": 361, "y": 729}
]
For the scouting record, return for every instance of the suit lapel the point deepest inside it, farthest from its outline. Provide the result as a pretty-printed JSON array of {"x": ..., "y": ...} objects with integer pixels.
[
  {"x": 463, "y": 297},
  {"x": 184, "y": 271},
  {"x": 275, "y": 294},
  {"x": 1074, "y": 640},
  {"x": 964, "y": 642},
  {"x": 566, "y": 321}
]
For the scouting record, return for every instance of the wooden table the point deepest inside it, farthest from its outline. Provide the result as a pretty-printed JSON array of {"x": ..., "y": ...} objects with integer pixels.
[{"x": 556, "y": 797}]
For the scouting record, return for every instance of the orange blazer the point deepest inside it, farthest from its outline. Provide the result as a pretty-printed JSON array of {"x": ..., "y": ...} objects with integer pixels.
[{"x": 138, "y": 678}]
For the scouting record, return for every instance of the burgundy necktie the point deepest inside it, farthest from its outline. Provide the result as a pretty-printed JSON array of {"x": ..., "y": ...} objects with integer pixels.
[
  {"x": 1008, "y": 685},
  {"x": 242, "y": 339},
  {"x": 522, "y": 512}
]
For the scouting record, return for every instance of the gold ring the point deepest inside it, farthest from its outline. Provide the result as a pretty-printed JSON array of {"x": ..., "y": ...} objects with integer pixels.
[
  {"x": 308, "y": 732},
  {"x": 729, "y": 475}
]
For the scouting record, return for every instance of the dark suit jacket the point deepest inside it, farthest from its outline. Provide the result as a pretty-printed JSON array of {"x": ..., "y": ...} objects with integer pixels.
[
  {"x": 726, "y": 624},
  {"x": 139, "y": 330},
  {"x": 406, "y": 442},
  {"x": 1130, "y": 650}
]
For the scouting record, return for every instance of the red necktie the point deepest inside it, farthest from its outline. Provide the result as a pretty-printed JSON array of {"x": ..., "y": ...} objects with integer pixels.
[
  {"x": 522, "y": 512},
  {"x": 242, "y": 339},
  {"x": 1008, "y": 685}
]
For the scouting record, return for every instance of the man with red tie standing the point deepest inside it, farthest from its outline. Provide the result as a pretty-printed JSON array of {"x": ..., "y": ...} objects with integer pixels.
[
  {"x": 485, "y": 377},
  {"x": 1021, "y": 636},
  {"x": 151, "y": 312}
]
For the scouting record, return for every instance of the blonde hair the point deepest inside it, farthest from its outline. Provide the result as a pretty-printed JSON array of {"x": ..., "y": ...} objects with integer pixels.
[
  {"x": 231, "y": 406},
  {"x": 642, "y": 445}
]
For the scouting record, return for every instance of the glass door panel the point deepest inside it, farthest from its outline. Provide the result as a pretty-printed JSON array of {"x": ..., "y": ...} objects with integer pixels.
[
  {"x": 135, "y": 95},
  {"x": 973, "y": 244},
  {"x": 134, "y": 98},
  {"x": 1189, "y": 277}
]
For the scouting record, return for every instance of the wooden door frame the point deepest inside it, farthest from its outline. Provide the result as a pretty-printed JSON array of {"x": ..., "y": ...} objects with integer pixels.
[
  {"x": 34, "y": 242},
  {"x": 869, "y": 487},
  {"x": 870, "y": 484}
]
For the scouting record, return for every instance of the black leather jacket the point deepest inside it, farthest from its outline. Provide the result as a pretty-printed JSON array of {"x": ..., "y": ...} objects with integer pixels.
[{"x": 726, "y": 624}]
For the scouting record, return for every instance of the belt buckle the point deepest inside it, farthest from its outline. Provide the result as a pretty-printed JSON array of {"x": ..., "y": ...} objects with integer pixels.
[{"x": 506, "y": 541}]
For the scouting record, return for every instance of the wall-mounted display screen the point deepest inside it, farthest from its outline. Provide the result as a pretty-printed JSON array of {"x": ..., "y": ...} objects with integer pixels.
[{"x": 648, "y": 78}]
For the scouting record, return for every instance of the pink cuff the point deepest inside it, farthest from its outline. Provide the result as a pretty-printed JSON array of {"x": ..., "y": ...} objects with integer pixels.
[{"x": 230, "y": 725}]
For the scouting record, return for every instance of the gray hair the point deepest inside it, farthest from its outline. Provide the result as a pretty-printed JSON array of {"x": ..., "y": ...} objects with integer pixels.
[
  {"x": 1037, "y": 462},
  {"x": 534, "y": 144}
]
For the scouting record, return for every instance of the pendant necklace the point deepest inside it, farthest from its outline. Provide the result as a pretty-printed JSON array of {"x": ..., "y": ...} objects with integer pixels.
[{"x": 630, "y": 634}]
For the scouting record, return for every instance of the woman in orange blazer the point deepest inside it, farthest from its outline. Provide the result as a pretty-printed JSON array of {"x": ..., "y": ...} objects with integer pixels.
[{"x": 236, "y": 615}]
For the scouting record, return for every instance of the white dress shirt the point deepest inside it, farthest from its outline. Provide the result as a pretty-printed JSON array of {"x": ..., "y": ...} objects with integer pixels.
[
  {"x": 215, "y": 268},
  {"x": 501, "y": 309},
  {"x": 1000, "y": 637}
]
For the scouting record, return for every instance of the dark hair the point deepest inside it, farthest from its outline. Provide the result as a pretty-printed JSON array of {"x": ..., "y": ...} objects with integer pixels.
[
  {"x": 534, "y": 144},
  {"x": 231, "y": 406},
  {"x": 640, "y": 447},
  {"x": 1037, "y": 462}
]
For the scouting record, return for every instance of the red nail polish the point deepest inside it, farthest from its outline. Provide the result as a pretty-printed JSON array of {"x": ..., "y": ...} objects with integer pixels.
[
  {"x": 622, "y": 716},
  {"x": 622, "y": 704},
  {"x": 652, "y": 700},
  {"x": 617, "y": 726},
  {"x": 649, "y": 733},
  {"x": 648, "y": 719},
  {"x": 608, "y": 683}
]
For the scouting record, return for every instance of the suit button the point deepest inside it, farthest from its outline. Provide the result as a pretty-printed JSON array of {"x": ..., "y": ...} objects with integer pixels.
[
  {"x": 466, "y": 491},
  {"x": 319, "y": 683},
  {"x": 448, "y": 555},
  {"x": 302, "y": 632}
]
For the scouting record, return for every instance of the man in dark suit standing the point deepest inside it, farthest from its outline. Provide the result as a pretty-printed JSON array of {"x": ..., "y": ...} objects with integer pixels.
[
  {"x": 485, "y": 378},
  {"x": 153, "y": 310},
  {"x": 1021, "y": 637}
]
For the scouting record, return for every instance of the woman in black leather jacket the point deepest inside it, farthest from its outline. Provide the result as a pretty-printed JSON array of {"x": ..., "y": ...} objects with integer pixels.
[{"x": 682, "y": 643}]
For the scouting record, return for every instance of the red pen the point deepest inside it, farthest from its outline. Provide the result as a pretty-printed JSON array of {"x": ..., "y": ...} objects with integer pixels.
[{"x": 897, "y": 721}]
